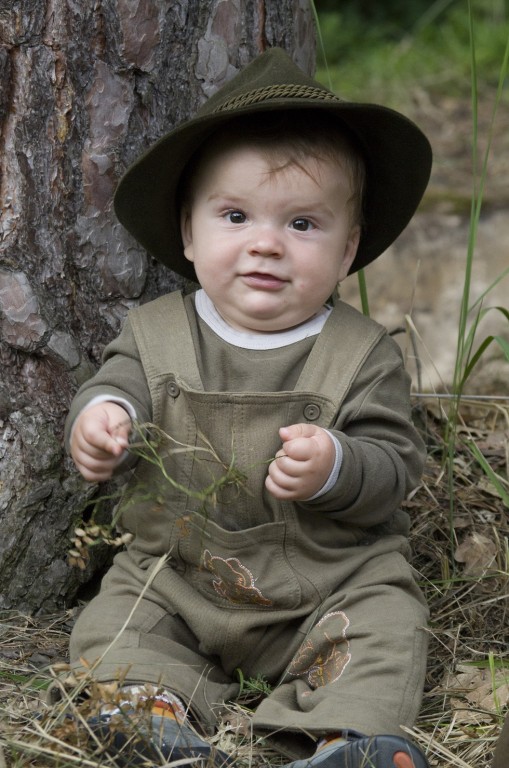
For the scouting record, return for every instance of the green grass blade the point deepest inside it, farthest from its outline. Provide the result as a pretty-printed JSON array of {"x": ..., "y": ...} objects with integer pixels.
[
  {"x": 503, "y": 344},
  {"x": 490, "y": 287},
  {"x": 497, "y": 481},
  {"x": 363, "y": 291}
]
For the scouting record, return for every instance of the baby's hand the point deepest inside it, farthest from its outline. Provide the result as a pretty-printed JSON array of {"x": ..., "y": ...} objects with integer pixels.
[
  {"x": 99, "y": 438},
  {"x": 303, "y": 464}
]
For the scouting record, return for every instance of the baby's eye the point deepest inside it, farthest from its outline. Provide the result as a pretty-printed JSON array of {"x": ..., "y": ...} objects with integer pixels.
[
  {"x": 236, "y": 217},
  {"x": 302, "y": 225}
]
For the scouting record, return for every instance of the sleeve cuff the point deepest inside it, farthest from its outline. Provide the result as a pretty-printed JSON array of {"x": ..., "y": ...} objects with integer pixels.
[{"x": 333, "y": 477}]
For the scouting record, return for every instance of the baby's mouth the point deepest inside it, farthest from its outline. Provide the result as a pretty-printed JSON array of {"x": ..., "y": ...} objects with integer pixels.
[{"x": 264, "y": 280}]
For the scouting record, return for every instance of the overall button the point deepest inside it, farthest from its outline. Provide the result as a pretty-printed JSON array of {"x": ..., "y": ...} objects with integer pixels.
[
  {"x": 312, "y": 412},
  {"x": 173, "y": 389}
]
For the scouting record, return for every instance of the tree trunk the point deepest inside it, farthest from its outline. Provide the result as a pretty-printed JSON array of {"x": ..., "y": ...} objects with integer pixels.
[{"x": 86, "y": 85}]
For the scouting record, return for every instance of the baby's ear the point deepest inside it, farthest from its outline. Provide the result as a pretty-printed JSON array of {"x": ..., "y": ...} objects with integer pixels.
[
  {"x": 350, "y": 252},
  {"x": 186, "y": 231},
  {"x": 185, "y": 225}
]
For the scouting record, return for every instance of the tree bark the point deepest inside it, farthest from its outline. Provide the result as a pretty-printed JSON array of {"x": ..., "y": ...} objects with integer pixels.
[{"x": 86, "y": 85}]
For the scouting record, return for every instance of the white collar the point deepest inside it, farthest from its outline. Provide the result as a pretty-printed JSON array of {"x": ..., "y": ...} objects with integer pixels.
[{"x": 211, "y": 316}]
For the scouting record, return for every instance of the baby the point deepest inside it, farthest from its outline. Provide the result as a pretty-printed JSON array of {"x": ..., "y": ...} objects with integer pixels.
[{"x": 298, "y": 570}]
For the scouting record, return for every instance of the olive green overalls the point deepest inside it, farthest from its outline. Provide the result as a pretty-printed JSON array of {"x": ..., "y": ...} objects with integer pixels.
[{"x": 328, "y": 613}]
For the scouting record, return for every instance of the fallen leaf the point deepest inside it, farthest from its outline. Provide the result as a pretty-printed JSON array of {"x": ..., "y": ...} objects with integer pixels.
[
  {"x": 484, "y": 485},
  {"x": 494, "y": 444},
  {"x": 479, "y": 693},
  {"x": 478, "y": 553}
]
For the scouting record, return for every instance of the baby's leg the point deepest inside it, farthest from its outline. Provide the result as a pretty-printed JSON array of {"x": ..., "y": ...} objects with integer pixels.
[
  {"x": 127, "y": 633},
  {"x": 361, "y": 665}
]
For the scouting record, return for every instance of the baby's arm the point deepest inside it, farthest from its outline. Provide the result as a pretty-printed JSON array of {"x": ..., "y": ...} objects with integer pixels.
[
  {"x": 99, "y": 438},
  {"x": 304, "y": 463}
]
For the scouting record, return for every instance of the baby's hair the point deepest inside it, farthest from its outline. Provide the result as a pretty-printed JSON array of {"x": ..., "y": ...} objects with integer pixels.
[{"x": 288, "y": 138}]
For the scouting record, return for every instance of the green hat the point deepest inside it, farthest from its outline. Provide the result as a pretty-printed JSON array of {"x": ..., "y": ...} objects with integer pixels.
[{"x": 396, "y": 153}]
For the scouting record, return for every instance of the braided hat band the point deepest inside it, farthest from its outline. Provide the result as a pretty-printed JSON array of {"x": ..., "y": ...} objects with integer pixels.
[{"x": 276, "y": 92}]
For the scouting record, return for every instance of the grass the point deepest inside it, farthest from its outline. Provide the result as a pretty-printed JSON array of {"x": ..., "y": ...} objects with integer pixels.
[{"x": 367, "y": 59}]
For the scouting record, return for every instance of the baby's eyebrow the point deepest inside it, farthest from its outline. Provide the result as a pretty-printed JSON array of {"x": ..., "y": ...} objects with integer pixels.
[
  {"x": 226, "y": 197},
  {"x": 307, "y": 208}
]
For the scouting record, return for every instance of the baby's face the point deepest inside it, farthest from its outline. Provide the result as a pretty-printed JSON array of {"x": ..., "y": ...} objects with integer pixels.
[{"x": 269, "y": 246}]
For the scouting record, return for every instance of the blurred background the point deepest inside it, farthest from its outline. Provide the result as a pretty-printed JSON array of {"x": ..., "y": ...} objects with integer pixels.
[{"x": 440, "y": 64}]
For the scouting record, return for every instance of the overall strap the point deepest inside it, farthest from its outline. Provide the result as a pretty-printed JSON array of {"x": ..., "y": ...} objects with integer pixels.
[
  {"x": 164, "y": 339},
  {"x": 339, "y": 352}
]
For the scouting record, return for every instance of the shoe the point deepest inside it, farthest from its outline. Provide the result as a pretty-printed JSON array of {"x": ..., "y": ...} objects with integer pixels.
[
  {"x": 366, "y": 752},
  {"x": 146, "y": 741}
]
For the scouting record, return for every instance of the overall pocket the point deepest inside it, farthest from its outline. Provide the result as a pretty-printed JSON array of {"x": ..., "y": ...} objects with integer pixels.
[{"x": 238, "y": 569}]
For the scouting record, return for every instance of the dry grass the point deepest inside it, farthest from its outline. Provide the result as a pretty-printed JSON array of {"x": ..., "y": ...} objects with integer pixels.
[
  {"x": 462, "y": 559},
  {"x": 461, "y": 553}
]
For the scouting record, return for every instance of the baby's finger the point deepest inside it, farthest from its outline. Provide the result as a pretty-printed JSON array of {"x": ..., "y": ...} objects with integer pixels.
[
  {"x": 299, "y": 449},
  {"x": 120, "y": 433},
  {"x": 294, "y": 431},
  {"x": 94, "y": 477},
  {"x": 277, "y": 490},
  {"x": 99, "y": 448},
  {"x": 94, "y": 471},
  {"x": 104, "y": 444},
  {"x": 284, "y": 471}
]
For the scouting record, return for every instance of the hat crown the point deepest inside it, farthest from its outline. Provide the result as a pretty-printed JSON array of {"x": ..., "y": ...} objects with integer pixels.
[{"x": 273, "y": 75}]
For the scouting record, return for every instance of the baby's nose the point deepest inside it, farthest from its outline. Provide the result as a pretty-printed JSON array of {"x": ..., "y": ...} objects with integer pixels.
[{"x": 266, "y": 242}]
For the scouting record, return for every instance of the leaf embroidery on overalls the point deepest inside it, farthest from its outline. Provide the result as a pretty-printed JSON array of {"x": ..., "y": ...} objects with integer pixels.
[
  {"x": 233, "y": 580},
  {"x": 324, "y": 655}
]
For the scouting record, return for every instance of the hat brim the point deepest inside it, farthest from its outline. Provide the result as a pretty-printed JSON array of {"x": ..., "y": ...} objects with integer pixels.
[{"x": 398, "y": 164}]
